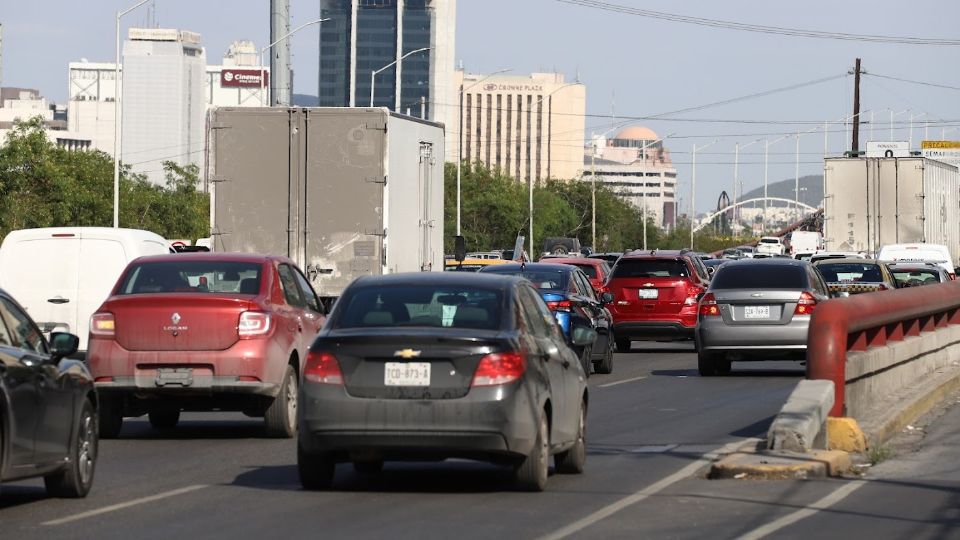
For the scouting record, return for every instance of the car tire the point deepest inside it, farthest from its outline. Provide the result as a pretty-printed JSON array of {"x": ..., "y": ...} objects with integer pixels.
[
  {"x": 605, "y": 366},
  {"x": 75, "y": 480},
  {"x": 722, "y": 365},
  {"x": 531, "y": 474},
  {"x": 164, "y": 418},
  {"x": 623, "y": 344},
  {"x": 706, "y": 364},
  {"x": 280, "y": 418},
  {"x": 368, "y": 467},
  {"x": 110, "y": 419},
  {"x": 586, "y": 362},
  {"x": 573, "y": 460},
  {"x": 315, "y": 469}
]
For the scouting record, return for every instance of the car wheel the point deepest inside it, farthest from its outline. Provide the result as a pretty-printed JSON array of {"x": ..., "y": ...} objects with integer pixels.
[
  {"x": 75, "y": 480},
  {"x": 368, "y": 467},
  {"x": 531, "y": 474},
  {"x": 706, "y": 364},
  {"x": 164, "y": 418},
  {"x": 281, "y": 416},
  {"x": 110, "y": 419},
  {"x": 586, "y": 362},
  {"x": 315, "y": 469},
  {"x": 572, "y": 461},
  {"x": 605, "y": 366},
  {"x": 623, "y": 344}
]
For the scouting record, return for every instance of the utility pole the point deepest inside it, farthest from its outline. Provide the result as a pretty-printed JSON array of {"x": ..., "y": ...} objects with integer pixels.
[{"x": 855, "y": 142}]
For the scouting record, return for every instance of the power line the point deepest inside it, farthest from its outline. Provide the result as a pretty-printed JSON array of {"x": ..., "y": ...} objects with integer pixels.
[
  {"x": 763, "y": 29},
  {"x": 922, "y": 83}
]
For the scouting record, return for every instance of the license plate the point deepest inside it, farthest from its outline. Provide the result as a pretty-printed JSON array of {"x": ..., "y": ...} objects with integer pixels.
[
  {"x": 756, "y": 312},
  {"x": 406, "y": 374},
  {"x": 647, "y": 294},
  {"x": 174, "y": 377}
]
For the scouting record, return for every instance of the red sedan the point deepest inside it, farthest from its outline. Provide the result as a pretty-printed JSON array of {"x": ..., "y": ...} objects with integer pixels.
[
  {"x": 201, "y": 332},
  {"x": 597, "y": 270}
]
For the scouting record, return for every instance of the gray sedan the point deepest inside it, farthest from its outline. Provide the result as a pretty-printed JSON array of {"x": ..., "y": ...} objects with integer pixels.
[
  {"x": 757, "y": 310},
  {"x": 434, "y": 365}
]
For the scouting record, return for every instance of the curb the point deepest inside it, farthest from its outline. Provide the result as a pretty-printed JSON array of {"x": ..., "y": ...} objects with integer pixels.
[{"x": 748, "y": 463}]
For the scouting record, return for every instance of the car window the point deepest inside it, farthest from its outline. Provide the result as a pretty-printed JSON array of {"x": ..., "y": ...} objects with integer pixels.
[
  {"x": 5, "y": 334},
  {"x": 541, "y": 279},
  {"x": 26, "y": 334},
  {"x": 288, "y": 283},
  {"x": 430, "y": 305},
  {"x": 549, "y": 320},
  {"x": 309, "y": 296},
  {"x": 701, "y": 268},
  {"x": 528, "y": 305},
  {"x": 185, "y": 276},
  {"x": 588, "y": 269},
  {"x": 754, "y": 275},
  {"x": 816, "y": 281},
  {"x": 586, "y": 286},
  {"x": 650, "y": 268},
  {"x": 850, "y": 272}
]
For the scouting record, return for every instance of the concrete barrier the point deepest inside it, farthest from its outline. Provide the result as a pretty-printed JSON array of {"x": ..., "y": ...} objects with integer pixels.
[{"x": 801, "y": 424}]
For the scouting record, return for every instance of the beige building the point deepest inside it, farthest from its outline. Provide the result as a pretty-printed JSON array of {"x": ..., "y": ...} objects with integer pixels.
[{"x": 530, "y": 127}]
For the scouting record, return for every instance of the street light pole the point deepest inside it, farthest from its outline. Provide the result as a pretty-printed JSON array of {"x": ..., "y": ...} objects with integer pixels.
[
  {"x": 388, "y": 66},
  {"x": 117, "y": 118},
  {"x": 281, "y": 38},
  {"x": 693, "y": 187},
  {"x": 460, "y": 134}
]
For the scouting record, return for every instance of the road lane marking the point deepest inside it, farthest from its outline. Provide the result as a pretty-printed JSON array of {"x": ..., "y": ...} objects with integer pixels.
[
  {"x": 638, "y": 496},
  {"x": 121, "y": 506},
  {"x": 810, "y": 510},
  {"x": 609, "y": 384}
]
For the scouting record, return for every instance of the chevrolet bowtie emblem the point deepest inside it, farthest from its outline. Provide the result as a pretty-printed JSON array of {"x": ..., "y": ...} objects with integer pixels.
[{"x": 406, "y": 353}]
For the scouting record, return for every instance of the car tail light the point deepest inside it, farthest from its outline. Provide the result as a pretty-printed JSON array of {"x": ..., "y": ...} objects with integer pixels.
[
  {"x": 560, "y": 305},
  {"x": 322, "y": 368},
  {"x": 253, "y": 324},
  {"x": 103, "y": 325},
  {"x": 806, "y": 304},
  {"x": 499, "y": 368},
  {"x": 692, "y": 294},
  {"x": 708, "y": 306}
]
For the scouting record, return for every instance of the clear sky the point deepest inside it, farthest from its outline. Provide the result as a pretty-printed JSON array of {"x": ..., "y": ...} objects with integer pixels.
[{"x": 632, "y": 66}]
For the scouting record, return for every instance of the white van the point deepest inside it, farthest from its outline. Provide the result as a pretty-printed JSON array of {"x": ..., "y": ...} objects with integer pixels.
[
  {"x": 935, "y": 253},
  {"x": 61, "y": 275},
  {"x": 805, "y": 241}
]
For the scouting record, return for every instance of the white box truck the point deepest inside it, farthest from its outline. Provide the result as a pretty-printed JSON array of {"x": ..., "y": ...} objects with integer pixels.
[
  {"x": 873, "y": 202},
  {"x": 344, "y": 192},
  {"x": 61, "y": 275}
]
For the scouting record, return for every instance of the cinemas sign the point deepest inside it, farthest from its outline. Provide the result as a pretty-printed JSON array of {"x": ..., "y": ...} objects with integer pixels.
[{"x": 243, "y": 77}]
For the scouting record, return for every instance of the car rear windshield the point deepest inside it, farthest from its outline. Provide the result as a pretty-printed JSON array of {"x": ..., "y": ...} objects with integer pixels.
[
  {"x": 589, "y": 270},
  {"x": 541, "y": 279},
  {"x": 420, "y": 305},
  {"x": 845, "y": 272},
  {"x": 183, "y": 276},
  {"x": 754, "y": 275},
  {"x": 769, "y": 241},
  {"x": 916, "y": 277},
  {"x": 627, "y": 268}
]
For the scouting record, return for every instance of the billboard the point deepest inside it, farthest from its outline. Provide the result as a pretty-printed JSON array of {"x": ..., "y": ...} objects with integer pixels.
[
  {"x": 945, "y": 151},
  {"x": 234, "y": 78}
]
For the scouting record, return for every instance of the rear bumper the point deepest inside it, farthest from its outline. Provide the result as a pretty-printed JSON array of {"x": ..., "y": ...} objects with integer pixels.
[
  {"x": 754, "y": 340},
  {"x": 653, "y": 330},
  {"x": 493, "y": 423}
]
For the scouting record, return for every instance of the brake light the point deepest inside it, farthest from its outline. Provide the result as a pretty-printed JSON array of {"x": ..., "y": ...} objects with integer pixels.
[
  {"x": 253, "y": 324},
  {"x": 103, "y": 325},
  {"x": 692, "y": 294},
  {"x": 560, "y": 305},
  {"x": 708, "y": 306},
  {"x": 806, "y": 304},
  {"x": 499, "y": 368},
  {"x": 322, "y": 368}
]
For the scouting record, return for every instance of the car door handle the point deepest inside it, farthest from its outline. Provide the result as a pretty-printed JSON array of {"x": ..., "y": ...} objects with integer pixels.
[{"x": 58, "y": 300}]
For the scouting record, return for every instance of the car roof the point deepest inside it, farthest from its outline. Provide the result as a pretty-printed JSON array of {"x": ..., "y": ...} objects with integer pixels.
[
  {"x": 477, "y": 279},
  {"x": 454, "y": 262},
  {"x": 661, "y": 254},
  {"x": 578, "y": 260},
  {"x": 846, "y": 260},
  {"x": 212, "y": 256},
  {"x": 539, "y": 267},
  {"x": 766, "y": 261}
]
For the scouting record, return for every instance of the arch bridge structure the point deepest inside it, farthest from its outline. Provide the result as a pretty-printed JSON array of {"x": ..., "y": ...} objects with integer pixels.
[{"x": 719, "y": 212}]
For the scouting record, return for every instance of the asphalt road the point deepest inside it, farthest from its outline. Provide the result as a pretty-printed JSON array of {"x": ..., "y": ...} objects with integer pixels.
[{"x": 652, "y": 427}]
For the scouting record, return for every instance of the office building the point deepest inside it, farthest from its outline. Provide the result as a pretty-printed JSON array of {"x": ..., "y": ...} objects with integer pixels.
[
  {"x": 162, "y": 103},
  {"x": 90, "y": 102},
  {"x": 636, "y": 166},
  {"x": 23, "y": 104},
  {"x": 363, "y": 36},
  {"x": 529, "y": 127}
]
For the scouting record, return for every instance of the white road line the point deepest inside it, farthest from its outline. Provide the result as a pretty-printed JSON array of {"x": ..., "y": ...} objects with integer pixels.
[
  {"x": 653, "y": 489},
  {"x": 790, "y": 519},
  {"x": 609, "y": 384},
  {"x": 121, "y": 506}
]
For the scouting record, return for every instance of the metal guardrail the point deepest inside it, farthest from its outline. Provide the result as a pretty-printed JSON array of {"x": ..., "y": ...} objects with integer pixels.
[{"x": 866, "y": 321}]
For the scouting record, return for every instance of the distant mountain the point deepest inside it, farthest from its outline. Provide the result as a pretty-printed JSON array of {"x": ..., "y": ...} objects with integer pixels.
[
  {"x": 785, "y": 189},
  {"x": 305, "y": 100}
]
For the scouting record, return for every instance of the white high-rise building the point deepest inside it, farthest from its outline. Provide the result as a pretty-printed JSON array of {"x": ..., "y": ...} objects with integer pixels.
[
  {"x": 162, "y": 100},
  {"x": 90, "y": 105}
]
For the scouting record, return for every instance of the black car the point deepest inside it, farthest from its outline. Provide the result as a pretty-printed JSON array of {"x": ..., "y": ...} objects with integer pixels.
[
  {"x": 430, "y": 366},
  {"x": 48, "y": 406},
  {"x": 569, "y": 295}
]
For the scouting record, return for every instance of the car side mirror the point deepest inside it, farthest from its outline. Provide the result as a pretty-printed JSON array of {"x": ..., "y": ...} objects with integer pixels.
[
  {"x": 606, "y": 298},
  {"x": 583, "y": 336},
  {"x": 63, "y": 344},
  {"x": 711, "y": 270}
]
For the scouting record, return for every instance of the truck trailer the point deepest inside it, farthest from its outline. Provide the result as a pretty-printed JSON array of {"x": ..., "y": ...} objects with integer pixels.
[
  {"x": 872, "y": 202},
  {"x": 344, "y": 192}
]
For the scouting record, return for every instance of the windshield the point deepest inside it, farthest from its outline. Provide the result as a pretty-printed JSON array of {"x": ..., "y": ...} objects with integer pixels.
[
  {"x": 541, "y": 279},
  {"x": 653, "y": 268},
  {"x": 759, "y": 276},
  {"x": 184, "y": 276},
  {"x": 850, "y": 272},
  {"x": 420, "y": 305}
]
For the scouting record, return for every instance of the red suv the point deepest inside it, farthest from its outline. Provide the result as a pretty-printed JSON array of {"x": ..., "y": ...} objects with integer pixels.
[
  {"x": 656, "y": 296},
  {"x": 597, "y": 270},
  {"x": 201, "y": 332}
]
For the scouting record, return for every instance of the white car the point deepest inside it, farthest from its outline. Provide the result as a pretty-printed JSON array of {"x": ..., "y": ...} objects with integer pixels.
[
  {"x": 771, "y": 245},
  {"x": 935, "y": 253}
]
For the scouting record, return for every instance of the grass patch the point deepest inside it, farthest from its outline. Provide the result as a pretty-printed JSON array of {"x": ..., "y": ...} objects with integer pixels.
[{"x": 880, "y": 453}]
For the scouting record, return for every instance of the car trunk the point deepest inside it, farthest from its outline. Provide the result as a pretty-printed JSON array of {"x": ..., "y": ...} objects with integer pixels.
[
  {"x": 412, "y": 367},
  {"x": 752, "y": 307},
  {"x": 177, "y": 322}
]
